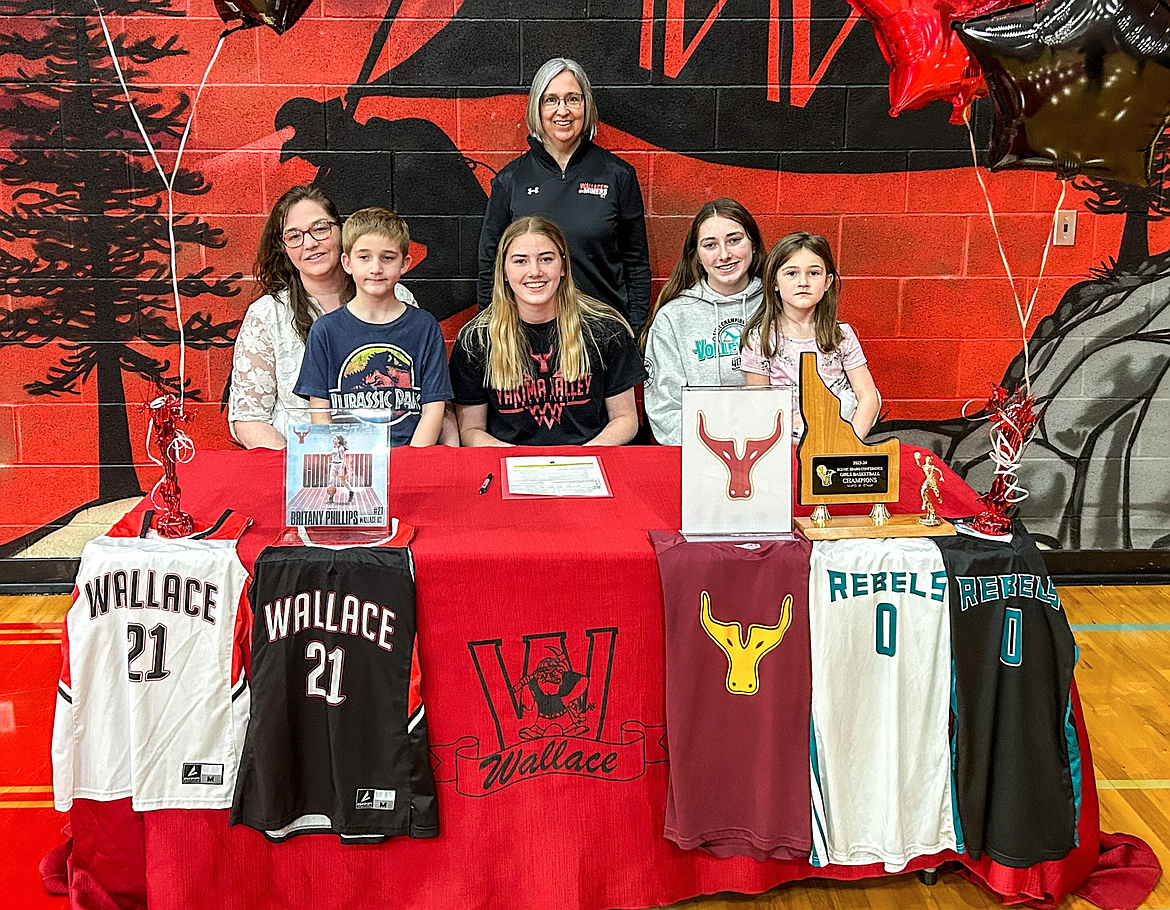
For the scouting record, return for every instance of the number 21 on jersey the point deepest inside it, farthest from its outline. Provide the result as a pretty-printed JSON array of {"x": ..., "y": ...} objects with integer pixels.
[{"x": 315, "y": 651}]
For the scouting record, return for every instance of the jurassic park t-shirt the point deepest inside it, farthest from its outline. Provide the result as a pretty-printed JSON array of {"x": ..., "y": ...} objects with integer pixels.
[
  {"x": 382, "y": 372},
  {"x": 549, "y": 410}
]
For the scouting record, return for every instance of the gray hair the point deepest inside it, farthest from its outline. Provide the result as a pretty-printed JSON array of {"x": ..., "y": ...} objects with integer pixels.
[{"x": 546, "y": 74}]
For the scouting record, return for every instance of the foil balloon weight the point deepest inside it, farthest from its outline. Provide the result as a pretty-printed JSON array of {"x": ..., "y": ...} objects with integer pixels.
[
  {"x": 1079, "y": 86},
  {"x": 927, "y": 60},
  {"x": 1013, "y": 420},
  {"x": 175, "y": 447},
  {"x": 278, "y": 15}
]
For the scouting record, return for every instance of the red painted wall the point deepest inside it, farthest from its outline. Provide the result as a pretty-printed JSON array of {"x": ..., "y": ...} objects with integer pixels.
[{"x": 923, "y": 281}]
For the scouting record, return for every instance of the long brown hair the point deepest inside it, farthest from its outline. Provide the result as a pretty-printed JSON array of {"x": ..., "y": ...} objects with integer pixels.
[
  {"x": 688, "y": 270},
  {"x": 498, "y": 329},
  {"x": 275, "y": 272},
  {"x": 765, "y": 322}
]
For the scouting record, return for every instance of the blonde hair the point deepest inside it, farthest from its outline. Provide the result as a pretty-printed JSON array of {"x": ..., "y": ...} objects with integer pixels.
[
  {"x": 765, "y": 322},
  {"x": 379, "y": 222},
  {"x": 540, "y": 81},
  {"x": 499, "y": 331}
]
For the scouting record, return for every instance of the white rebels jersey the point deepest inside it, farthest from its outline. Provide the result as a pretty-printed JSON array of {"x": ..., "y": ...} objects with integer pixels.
[
  {"x": 881, "y": 693},
  {"x": 152, "y": 702}
]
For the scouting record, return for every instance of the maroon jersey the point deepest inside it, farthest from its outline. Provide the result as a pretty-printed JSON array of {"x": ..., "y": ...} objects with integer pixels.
[{"x": 738, "y": 693}]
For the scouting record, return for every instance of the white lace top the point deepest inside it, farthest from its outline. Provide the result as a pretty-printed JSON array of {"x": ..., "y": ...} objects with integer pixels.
[{"x": 266, "y": 363}]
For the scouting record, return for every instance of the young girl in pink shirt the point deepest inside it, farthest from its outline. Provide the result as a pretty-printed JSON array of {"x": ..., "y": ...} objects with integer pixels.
[{"x": 799, "y": 314}]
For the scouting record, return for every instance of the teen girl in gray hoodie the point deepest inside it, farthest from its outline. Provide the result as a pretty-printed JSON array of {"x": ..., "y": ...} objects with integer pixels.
[{"x": 692, "y": 336}]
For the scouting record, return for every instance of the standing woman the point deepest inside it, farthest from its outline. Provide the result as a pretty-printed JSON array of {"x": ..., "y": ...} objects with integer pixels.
[
  {"x": 298, "y": 267},
  {"x": 544, "y": 364},
  {"x": 590, "y": 193}
]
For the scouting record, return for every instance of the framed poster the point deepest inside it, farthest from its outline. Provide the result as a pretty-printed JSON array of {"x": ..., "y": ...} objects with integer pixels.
[
  {"x": 336, "y": 475},
  {"x": 737, "y": 462}
]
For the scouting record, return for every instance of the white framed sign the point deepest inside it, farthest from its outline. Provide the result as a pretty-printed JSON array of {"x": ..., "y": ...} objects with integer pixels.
[
  {"x": 336, "y": 475},
  {"x": 737, "y": 462}
]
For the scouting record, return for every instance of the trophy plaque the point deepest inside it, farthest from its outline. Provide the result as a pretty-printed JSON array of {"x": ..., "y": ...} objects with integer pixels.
[{"x": 836, "y": 467}]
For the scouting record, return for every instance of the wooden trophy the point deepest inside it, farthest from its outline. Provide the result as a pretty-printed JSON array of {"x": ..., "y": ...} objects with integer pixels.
[{"x": 837, "y": 467}]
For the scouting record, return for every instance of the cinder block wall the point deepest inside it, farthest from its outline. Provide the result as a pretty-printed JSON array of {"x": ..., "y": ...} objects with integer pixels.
[{"x": 723, "y": 100}]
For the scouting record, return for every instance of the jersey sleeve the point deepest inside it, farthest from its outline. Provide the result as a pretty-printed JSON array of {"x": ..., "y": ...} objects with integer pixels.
[
  {"x": 242, "y": 637},
  {"x": 63, "y": 728},
  {"x": 852, "y": 356},
  {"x": 424, "y": 809}
]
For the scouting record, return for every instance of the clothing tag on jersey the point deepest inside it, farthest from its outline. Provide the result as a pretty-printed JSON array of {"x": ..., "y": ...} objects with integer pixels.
[
  {"x": 375, "y": 799},
  {"x": 202, "y": 773},
  {"x": 749, "y": 546}
]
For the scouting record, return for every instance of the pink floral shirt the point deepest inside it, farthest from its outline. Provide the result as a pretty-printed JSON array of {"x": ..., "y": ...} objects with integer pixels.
[{"x": 784, "y": 369}]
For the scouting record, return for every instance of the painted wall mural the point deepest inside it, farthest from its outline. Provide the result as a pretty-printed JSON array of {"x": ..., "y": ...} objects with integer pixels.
[{"x": 415, "y": 104}]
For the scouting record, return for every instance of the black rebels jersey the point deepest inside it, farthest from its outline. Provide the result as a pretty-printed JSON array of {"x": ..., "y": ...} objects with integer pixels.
[
  {"x": 1017, "y": 761},
  {"x": 337, "y": 740}
]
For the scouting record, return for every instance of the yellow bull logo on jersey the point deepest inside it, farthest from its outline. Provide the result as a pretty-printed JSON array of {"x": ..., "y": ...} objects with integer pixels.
[{"x": 743, "y": 657}]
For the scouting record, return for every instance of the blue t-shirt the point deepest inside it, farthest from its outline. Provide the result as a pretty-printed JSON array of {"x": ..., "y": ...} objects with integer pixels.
[{"x": 394, "y": 368}]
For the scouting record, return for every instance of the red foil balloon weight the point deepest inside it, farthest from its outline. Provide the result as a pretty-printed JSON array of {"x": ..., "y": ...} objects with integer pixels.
[
  {"x": 166, "y": 413},
  {"x": 1013, "y": 421}
]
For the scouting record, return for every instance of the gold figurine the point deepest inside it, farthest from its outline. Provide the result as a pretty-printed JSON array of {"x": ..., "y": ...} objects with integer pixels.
[{"x": 930, "y": 485}]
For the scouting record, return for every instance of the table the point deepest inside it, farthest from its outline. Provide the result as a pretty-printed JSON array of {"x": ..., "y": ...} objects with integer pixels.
[{"x": 498, "y": 580}]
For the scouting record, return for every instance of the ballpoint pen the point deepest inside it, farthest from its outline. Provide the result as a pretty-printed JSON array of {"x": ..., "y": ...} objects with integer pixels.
[{"x": 486, "y": 482}]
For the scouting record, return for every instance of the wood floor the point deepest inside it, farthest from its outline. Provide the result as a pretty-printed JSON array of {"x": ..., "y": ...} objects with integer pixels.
[{"x": 1124, "y": 678}]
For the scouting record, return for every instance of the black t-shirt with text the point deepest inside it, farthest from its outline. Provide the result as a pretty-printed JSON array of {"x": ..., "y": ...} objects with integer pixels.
[{"x": 549, "y": 410}]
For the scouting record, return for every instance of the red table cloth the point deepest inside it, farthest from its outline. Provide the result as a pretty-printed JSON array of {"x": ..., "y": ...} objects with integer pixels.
[{"x": 500, "y": 583}]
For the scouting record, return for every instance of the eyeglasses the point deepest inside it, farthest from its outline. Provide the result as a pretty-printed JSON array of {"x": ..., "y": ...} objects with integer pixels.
[
  {"x": 572, "y": 102},
  {"x": 293, "y": 238}
]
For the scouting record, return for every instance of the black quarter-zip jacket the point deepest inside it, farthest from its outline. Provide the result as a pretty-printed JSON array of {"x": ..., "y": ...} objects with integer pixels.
[{"x": 597, "y": 202}]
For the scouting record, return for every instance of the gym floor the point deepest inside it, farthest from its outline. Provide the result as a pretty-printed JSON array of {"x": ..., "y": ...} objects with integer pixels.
[{"x": 1123, "y": 675}]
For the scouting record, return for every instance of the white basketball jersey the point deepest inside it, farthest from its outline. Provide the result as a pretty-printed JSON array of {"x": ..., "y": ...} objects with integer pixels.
[
  {"x": 881, "y": 671},
  {"x": 152, "y": 702}
]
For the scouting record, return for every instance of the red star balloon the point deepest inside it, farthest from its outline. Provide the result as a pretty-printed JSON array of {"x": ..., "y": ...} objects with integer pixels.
[
  {"x": 1079, "y": 86},
  {"x": 927, "y": 61},
  {"x": 278, "y": 15}
]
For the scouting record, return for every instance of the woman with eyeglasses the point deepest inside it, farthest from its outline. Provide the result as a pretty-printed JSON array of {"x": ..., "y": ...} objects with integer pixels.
[
  {"x": 298, "y": 269},
  {"x": 592, "y": 194}
]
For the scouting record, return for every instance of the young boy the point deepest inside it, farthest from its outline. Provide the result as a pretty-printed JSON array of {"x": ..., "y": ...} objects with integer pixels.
[{"x": 376, "y": 353}]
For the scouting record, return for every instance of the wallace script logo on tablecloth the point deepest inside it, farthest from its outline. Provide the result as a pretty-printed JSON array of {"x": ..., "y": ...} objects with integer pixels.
[{"x": 550, "y": 717}]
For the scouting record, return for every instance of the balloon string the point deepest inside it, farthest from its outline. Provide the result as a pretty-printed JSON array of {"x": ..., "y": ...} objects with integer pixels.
[
  {"x": 182, "y": 450},
  {"x": 168, "y": 182},
  {"x": 1024, "y": 315}
]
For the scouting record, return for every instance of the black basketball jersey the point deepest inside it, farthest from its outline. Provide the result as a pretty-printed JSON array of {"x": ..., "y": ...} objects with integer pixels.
[
  {"x": 1017, "y": 761},
  {"x": 337, "y": 741}
]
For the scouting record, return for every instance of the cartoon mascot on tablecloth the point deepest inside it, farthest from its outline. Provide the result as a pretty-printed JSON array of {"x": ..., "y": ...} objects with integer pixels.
[{"x": 559, "y": 694}]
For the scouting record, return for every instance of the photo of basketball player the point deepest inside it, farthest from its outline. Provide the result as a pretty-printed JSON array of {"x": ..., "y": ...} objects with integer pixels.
[{"x": 339, "y": 470}]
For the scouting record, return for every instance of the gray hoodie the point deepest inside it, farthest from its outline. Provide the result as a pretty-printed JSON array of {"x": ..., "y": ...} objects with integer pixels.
[{"x": 694, "y": 341}]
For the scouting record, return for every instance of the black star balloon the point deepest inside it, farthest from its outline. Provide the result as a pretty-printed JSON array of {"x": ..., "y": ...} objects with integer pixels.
[
  {"x": 1079, "y": 86},
  {"x": 278, "y": 15}
]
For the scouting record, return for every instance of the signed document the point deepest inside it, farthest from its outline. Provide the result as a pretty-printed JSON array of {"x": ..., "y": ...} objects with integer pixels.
[{"x": 548, "y": 475}]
